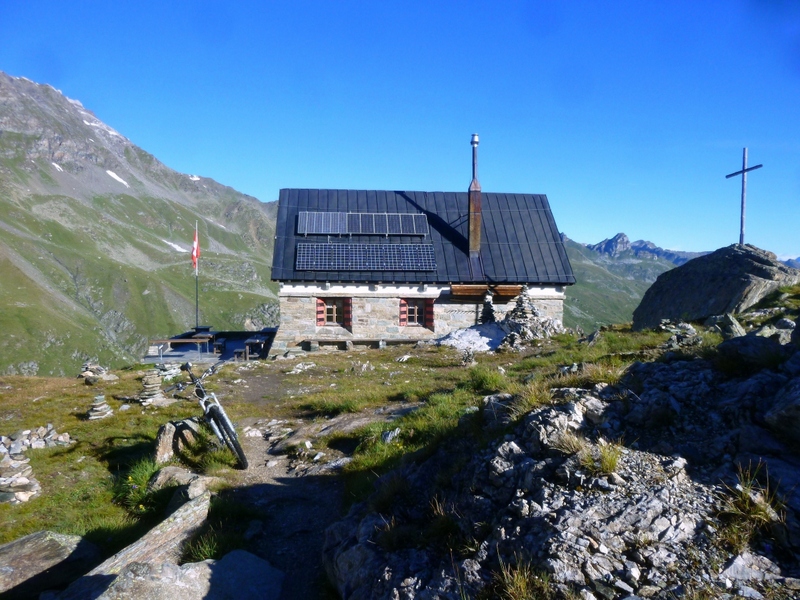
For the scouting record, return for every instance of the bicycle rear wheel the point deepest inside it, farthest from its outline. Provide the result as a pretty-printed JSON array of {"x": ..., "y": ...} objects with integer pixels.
[{"x": 225, "y": 428}]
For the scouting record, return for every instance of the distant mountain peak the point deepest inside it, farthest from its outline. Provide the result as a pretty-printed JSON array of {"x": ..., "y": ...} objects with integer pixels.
[
  {"x": 613, "y": 246},
  {"x": 620, "y": 243}
]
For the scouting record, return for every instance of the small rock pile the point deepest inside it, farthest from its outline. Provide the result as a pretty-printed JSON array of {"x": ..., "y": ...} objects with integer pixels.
[
  {"x": 92, "y": 373},
  {"x": 525, "y": 322},
  {"x": 151, "y": 394},
  {"x": 683, "y": 335},
  {"x": 727, "y": 325},
  {"x": 168, "y": 370},
  {"x": 100, "y": 409},
  {"x": 17, "y": 483}
]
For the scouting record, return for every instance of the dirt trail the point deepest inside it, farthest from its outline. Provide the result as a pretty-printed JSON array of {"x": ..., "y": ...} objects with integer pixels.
[{"x": 300, "y": 495}]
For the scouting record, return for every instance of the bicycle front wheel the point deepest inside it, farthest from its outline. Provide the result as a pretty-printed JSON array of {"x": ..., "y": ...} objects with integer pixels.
[{"x": 225, "y": 428}]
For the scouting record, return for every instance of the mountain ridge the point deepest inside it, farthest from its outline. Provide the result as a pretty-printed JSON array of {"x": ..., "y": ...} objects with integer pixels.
[{"x": 97, "y": 231}]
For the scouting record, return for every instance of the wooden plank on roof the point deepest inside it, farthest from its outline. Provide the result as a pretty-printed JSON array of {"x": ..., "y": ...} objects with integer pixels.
[{"x": 479, "y": 289}]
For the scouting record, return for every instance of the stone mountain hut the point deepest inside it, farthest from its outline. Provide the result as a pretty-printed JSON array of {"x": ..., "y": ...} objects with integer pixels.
[{"x": 370, "y": 266}]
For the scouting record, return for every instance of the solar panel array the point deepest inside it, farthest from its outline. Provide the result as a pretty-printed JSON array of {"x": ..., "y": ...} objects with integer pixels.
[
  {"x": 365, "y": 257},
  {"x": 342, "y": 223},
  {"x": 322, "y": 222}
]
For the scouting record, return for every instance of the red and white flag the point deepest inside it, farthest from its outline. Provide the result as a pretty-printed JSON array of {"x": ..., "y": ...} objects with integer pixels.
[{"x": 195, "y": 249}]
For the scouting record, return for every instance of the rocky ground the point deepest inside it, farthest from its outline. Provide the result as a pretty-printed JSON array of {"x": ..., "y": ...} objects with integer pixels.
[
  {"x": 659, "y": 523},
  {"x": 614, "y": 490}
]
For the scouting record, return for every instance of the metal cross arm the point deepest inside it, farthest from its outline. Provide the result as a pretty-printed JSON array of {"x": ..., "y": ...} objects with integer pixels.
[{"x": 747, "y": 170}]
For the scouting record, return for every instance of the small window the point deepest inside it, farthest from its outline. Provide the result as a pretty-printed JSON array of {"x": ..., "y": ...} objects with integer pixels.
[
  {"x": 334, "y": 311},
  {"x": 416, "y": 312}
]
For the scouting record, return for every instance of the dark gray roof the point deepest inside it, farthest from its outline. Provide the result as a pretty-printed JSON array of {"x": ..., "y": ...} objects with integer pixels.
[{"x": 519, "y": 239}]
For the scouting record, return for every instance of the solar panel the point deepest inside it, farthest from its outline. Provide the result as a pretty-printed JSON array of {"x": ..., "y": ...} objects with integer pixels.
[
  {"x": 365, "y": 257},
  {"x": 353, "y": 223},
  {"x": 421, "y": 224},
  {"x": 407, "y": 224},
  {"x": 393, "y": 223},
  {"x": 381, "y": 227},
  {"x": 367, "y": 223},
  {"x": 341, "y": 223}
]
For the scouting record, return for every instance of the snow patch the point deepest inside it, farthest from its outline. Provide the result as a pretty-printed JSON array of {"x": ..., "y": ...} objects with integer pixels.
[
  {"x": 480, "y": 338},
  {"x": 194, "y": 178},
  {"x": 103, "y": 127},
  {"x": 175, "y": 246},
  {"x": 59, "y": 169},
  {"x": 118, "y": 178}
]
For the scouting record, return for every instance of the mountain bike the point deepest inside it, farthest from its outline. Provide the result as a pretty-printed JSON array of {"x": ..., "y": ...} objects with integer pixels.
[{"x": 213, "y": 413}]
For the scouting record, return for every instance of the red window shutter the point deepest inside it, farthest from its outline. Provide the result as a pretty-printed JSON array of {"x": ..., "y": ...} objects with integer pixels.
[
  {"x": 403, "y": 312},
  {"x": 348, "y": 312},
  {"x": 429, "y": 313},
  {"x": 320, "y": 312}
]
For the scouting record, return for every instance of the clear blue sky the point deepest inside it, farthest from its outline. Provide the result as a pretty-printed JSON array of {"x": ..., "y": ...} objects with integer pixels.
[{"x": 627, "y": 114}]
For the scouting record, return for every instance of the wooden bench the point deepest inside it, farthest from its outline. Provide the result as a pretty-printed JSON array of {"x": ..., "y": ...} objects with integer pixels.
[
  {"x": 318, "y": 341},
  {"x": 162, "y": 346},
  {"x": 219, "y": 345}
]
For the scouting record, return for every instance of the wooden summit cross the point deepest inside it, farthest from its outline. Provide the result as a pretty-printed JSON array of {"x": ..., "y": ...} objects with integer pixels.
[{"x": 743, "y": 173}]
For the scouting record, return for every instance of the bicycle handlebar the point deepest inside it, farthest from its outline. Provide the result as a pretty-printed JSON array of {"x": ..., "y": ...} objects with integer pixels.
[{"x": 200, "y": 390}]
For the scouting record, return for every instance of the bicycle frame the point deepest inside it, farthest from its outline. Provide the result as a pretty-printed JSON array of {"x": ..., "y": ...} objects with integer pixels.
[{"x": 212, "y": 410}]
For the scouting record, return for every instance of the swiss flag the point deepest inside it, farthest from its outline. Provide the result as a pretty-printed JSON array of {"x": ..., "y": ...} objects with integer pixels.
[{"x": 195, "y": 250}]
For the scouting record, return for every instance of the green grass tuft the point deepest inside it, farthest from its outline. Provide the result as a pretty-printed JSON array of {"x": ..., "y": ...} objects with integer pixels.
[{"x": 749, "y": 508}]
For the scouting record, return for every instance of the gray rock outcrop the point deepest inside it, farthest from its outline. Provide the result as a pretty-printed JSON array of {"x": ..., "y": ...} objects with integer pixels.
[
  {"x": 161, "y": 544},
  {"x": 645, "y": 528},
  {"x": 729, "y": 280},
  {"x": 174, "y": 436},
  {"x": 238, "y": 574},
  {"x": 41, "y": 561},
  {"x": 784, "y": 416}
]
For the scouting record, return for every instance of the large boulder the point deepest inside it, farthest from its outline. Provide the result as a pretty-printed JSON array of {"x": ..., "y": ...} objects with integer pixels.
[{"x": 729, "y": 280}]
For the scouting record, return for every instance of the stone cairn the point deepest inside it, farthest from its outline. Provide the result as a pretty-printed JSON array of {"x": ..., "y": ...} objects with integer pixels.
[
  {"x": 525, "y": 322},
  {"x": 151, "y": 394},
  {"x": 92, "y": 373},
  {"x": 17, "y": 483},
  {"x": 151, "y": 387},
  {"x": 100, "y": 409}
]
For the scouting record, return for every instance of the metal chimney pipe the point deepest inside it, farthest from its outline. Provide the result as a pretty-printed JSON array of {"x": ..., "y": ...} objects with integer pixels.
[{"x": 474, "y": 203}]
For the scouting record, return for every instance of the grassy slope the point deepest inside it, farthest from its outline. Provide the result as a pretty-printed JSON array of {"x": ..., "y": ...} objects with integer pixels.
[
  {"x": 91, "y": 275},
  {"x": 608, "y": 289},
  {"x": 110, "y": 256},
  {"x": 80, "y": 480}
]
